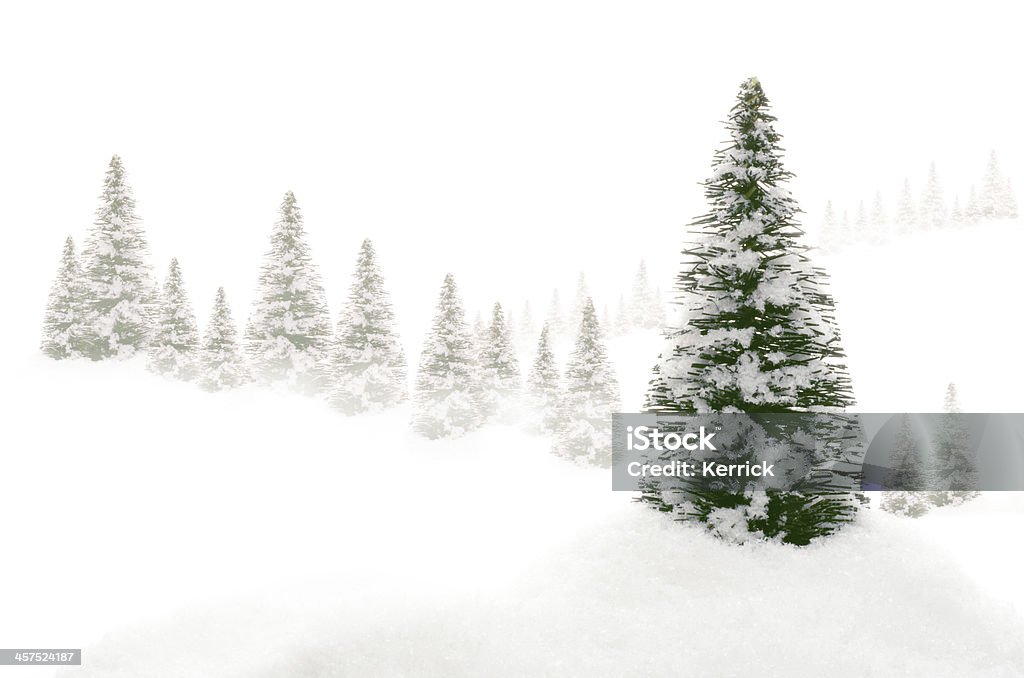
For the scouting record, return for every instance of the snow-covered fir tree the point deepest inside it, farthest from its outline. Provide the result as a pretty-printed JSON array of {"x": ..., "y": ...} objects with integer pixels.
[
  {"x": 222, "y": 364},
  {"x": 445, "y": 402},
  {"x": 846, "y": 234},
  {"x": 544, "y": 390},
  {"x": 479, "y": 334},
  {"x": 905, "y": 478},
  {"x": 606, "y": 318},
  {"x": 972, "y": 212},
  {"x": 956, "y": 214},
  {"x": 579, "y": 301},
  {"x": 829, "y": 236},
  {"x": 879, "y": 229},
  {"x": 644, "y": 310},
  {"x": 116, "y": 278},
  {"x": 555, "y": 319},
  {"x": 1009, "y": 206},
  {"x": 906, "y": 465},
  {"x": 590, "y": 398},
  {"x": 933, "y": 201},
  {"x": 861, "y": 222},
  {"x": 906, "y": 217},
  {"x": 499, "y": 383},
  {"x": 526, "y": 326},
  {"x": 288, "y": 334},
  {"x": 621, "y": 323},
  {"x": 175, "y": 341},
  {"x": 368, "y": 368},
  {"x": 992, "y": 200},
  {"x": 955, "y": 472},
  {"x": 760, "y": 334},
  {"x": 63, "y": 328}
]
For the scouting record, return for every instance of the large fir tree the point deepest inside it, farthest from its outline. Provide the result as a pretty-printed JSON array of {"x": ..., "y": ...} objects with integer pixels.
[
  {"x": 289, "y": 331},
  {"x": 221, "y": 361},
  {"x": 369, "y": 368},
  {"x": 590, "y": 398},
  {"x": 172, "y": 350},
  {"x": 446, "y": 402},
  {"x": 117, "y": 282},
  {"x": 63, "y": 328},
  {"x": 760, "y": 334}
]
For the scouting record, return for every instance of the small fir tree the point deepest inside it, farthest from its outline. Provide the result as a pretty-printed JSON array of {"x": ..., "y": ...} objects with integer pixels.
[
  {"x": 499, "y": 383},
  {"x": 555, "y": 319},
  {"x": 545, "y": 395},
  {"x": 591, "y": 397},
  {"x": 933, "y": 202},
  {"x": 829, "y": 237},
  {"x": 992, "y": 202},
  {"x": 289, "y": 332},
  {"x": 172, "y": 351},
  {"x": 63, "y": 328},
  {"x": 221, "y": 361},
  {"x": 445, "y": 383},
  {"x": 879, "y": 228},
  {"x": 906, "y": 217},
  {"x": 368, "y": 364},
  {"x": 955, "y": 471},
  {"x": 905, "y": 478}
]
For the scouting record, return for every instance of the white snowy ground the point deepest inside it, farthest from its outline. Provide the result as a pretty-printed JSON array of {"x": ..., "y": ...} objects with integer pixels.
[{"x": 176, "y": 533}]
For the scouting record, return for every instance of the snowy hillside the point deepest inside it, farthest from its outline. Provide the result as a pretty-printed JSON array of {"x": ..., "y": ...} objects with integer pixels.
[{"x": 172, "y": 532}]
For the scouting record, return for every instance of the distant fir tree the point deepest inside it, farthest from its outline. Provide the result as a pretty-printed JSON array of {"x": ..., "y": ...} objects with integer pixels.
[
  {"x": 622, "y": 321},
  {"x": 544, "y": 391},
  {"x": 480, "y": 334},
  {"x": 591, "y": 397},
  {"x": 879, "y": 229},
  {"x": 955, "y": 467},
  {"x": 221, "y": 361},
  {"x": 761, "y": 334},
  {"x": 956, "y": 215},
  {"x": 829, "y": 237},
  {"x": 368, "y": 367},
  {"x": 658, "y": 308},
  {"x": 644, "y": 310},
  {"x": 555, "y": 319},
  {"x": 499, "y": 383},
  {"x": 606, "y": 317},
  {"x": 933, "y": 202},
  {"x": 906, "y": 217},
  {"x": 905, "y": 479},
  {"x": 993, "y": 187},
  {"x": 1009, "y": 207},
  {"x": 973, "y": 212},
  {"x": 579, "y": 301},
  {"x": 906, "y": 465},
  {"x": 445, "y": 402},
  {"x": 116, "y": 278},
  {"x": 175, "y": 341},
  {"x": 289, "y": 330},
  {"x": 861, "y": 224},
  {"x": 846, "y": 234},
  {"x": 526, "y": 326},
  {"x": 63, "y": 326}
]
